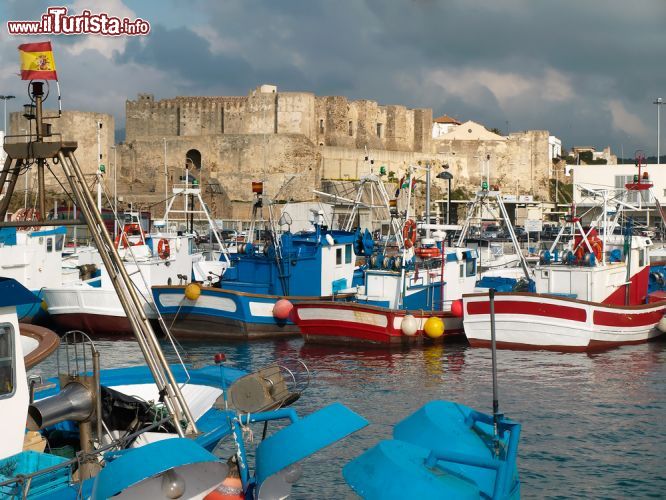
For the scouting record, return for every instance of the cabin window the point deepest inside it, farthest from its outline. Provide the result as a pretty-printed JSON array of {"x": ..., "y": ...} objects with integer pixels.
[
  {"x": 49, "y": 244},
  {"x": 338, "y": 256},
  {"x": 470, "y": 267},
  {"x": 59, "y": 242},
  {"x": 6, "y": 360},
  {"x": 641, "y": 258},
  {"x": 462, "y": 270},
  {"x": 348, "y": 254}
]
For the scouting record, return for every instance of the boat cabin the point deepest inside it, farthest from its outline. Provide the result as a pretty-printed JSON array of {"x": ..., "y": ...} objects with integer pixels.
[
  {"x": 599, "y": 280},
  {"x": 14, "y": 395},
  {"x": 315, "y": 263}
]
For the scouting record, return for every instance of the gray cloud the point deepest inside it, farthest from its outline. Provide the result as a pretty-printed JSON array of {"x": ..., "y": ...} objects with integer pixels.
[{"x": 574, "y": 68}]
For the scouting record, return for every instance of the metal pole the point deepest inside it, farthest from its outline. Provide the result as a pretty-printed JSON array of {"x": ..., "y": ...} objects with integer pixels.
[
  {"x": 493, "y": 348},
  {"x": 166, "y": 184},
  {"x": 115, "y": 194},
  {"x": 448, "y": 212},
  {"x": 658, "y": 102},
  {"x": 427, "y": 207},
  {"x": 99, "y": 173},
  {"x": 5, "y": 98}
]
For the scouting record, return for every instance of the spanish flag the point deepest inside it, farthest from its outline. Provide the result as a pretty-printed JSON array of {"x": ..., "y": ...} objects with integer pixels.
[{"x": 37, "y": 61}]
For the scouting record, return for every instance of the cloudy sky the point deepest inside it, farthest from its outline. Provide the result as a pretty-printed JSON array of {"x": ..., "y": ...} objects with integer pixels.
[{"x": 586, "y": 70}]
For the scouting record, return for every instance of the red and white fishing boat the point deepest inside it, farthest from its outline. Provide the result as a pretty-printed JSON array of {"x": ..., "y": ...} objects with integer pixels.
[
  {"x": 594, "y": 297},
  {"x": 399, "y": 294},
  {"x": 354, "y": 323}
]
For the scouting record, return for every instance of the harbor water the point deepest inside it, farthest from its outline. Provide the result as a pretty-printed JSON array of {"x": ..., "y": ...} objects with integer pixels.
[{"x": 592, "y": 424}]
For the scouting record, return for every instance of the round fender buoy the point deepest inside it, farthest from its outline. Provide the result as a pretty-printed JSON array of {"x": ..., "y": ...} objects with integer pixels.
[
  {"x": 282, "y": 309},
  {"x": 457, "y": 308},
  {"x": 193, "y": 291},
  {"x": 409, "y": 326},
  {"x": 434, "y": 327},
  {"x": 662, "y": 324}
]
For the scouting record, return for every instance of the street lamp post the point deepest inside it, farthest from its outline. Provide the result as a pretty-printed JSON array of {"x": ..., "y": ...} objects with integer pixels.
[
  {"x": 6, "y": 98},
  {"x": 659, "y": 102}
]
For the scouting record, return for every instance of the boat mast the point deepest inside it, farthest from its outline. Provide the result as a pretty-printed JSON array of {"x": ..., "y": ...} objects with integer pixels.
[{"x": 62, "y": 152}]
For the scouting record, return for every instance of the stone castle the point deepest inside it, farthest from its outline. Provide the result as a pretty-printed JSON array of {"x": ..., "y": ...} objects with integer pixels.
[{"x": 292, "y": 141}]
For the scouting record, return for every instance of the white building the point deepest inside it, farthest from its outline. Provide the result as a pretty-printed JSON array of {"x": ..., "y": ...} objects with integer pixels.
[
  {"x": 443, "y": 125},
  {"x": 554, "y": 147},
  {"x": 616, "y": 177}
]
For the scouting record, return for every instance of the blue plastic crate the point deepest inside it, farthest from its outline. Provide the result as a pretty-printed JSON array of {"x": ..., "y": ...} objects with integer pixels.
[{"x": 28, "y": 462}]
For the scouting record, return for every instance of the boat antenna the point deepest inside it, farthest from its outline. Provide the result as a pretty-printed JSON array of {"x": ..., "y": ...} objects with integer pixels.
[{"x": 497, "y": 416}]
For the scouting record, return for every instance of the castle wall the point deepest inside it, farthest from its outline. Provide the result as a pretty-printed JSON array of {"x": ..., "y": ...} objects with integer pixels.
[
  {"x": 76, "y": 126},
  {"x": 519, "y": 165},
  {"x": 287, "y": 163}
]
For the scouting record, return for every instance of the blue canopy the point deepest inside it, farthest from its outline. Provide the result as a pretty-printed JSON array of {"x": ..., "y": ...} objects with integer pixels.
[{"x": 12, "y": 293}]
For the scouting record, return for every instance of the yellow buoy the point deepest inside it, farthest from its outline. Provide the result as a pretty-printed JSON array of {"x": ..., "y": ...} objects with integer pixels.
[
  {"x": 434, "y": 327},
  {"x": 193, "y": 291},
  {"x": 44, "y": 306}
]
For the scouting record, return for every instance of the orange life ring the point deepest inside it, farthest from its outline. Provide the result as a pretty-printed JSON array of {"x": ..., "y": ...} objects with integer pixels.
[
  {"x": 427, "y": 252},
  {"x": 163, "y": 249},
  {"x": 409, "y": 233},
  {"x": 121, "y": 239},
  {"x": 133, "y": 229}
]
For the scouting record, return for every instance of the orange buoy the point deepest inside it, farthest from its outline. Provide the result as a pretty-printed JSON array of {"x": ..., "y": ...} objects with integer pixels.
[{"x": 282, "y": 309}]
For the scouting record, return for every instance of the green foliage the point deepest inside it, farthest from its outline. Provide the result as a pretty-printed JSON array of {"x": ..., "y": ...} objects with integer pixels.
[
  {"x": 460, "y": 193},
  {"x": 565, "y": 192}
]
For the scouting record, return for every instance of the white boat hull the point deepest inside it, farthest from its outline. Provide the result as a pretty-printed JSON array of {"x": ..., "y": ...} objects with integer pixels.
[{"x": 533, "y": 321}]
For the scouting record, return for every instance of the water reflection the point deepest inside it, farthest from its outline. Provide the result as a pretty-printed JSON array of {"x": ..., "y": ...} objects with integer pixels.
[{"x": 592, "y": 424}]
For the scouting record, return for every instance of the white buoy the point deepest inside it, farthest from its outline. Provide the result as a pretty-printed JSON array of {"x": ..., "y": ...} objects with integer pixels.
[
  {"x": 330, "y": 239},
  {"x": 662, "y": 324},
  {"x": 409, "y": 326}
]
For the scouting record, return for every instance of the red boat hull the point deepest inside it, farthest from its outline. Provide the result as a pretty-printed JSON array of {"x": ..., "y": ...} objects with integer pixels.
[{"x": 352, "y": 323}]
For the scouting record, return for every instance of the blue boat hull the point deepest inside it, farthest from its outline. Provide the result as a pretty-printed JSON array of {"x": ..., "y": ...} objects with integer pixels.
[{"x": 222, "y": 314}]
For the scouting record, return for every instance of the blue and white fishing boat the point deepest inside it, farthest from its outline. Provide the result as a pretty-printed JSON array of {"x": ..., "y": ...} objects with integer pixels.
[
  {"x": 33, "y": 257},
  {"x": 254, "y": 296},
  {"x": 443, "y": 450},
  {"x": 115, "y": 417}
]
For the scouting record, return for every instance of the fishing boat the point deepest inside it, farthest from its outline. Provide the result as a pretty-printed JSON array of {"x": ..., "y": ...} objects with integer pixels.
[
  {"x": 401, "y": 296},
  {"x": 593, "y": 295},
  {"x": 254, "y": 296},
  {"x": 33, "y": 257},
  {"x": 443, "y": 450},
  {"x": 93, "y": 413},
  {"x": 394, "y": 305},
  {"x": 90, "y": 303}
]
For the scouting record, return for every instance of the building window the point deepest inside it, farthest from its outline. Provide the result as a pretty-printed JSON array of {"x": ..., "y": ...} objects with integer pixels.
[
  {"x": 379, "y": 130},
  {"x": 338, "y": 256},
  {"x": 470, "y": 264},
  {"x": 348, "y": 254},
  {"x": 6, "y": 360},
  {"x": 351, "y": 128},
  {"x": 321, "y": 126}
]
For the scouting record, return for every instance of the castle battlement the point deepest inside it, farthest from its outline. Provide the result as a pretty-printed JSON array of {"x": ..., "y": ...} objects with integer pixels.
[{"x": 324, "y": 120}]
